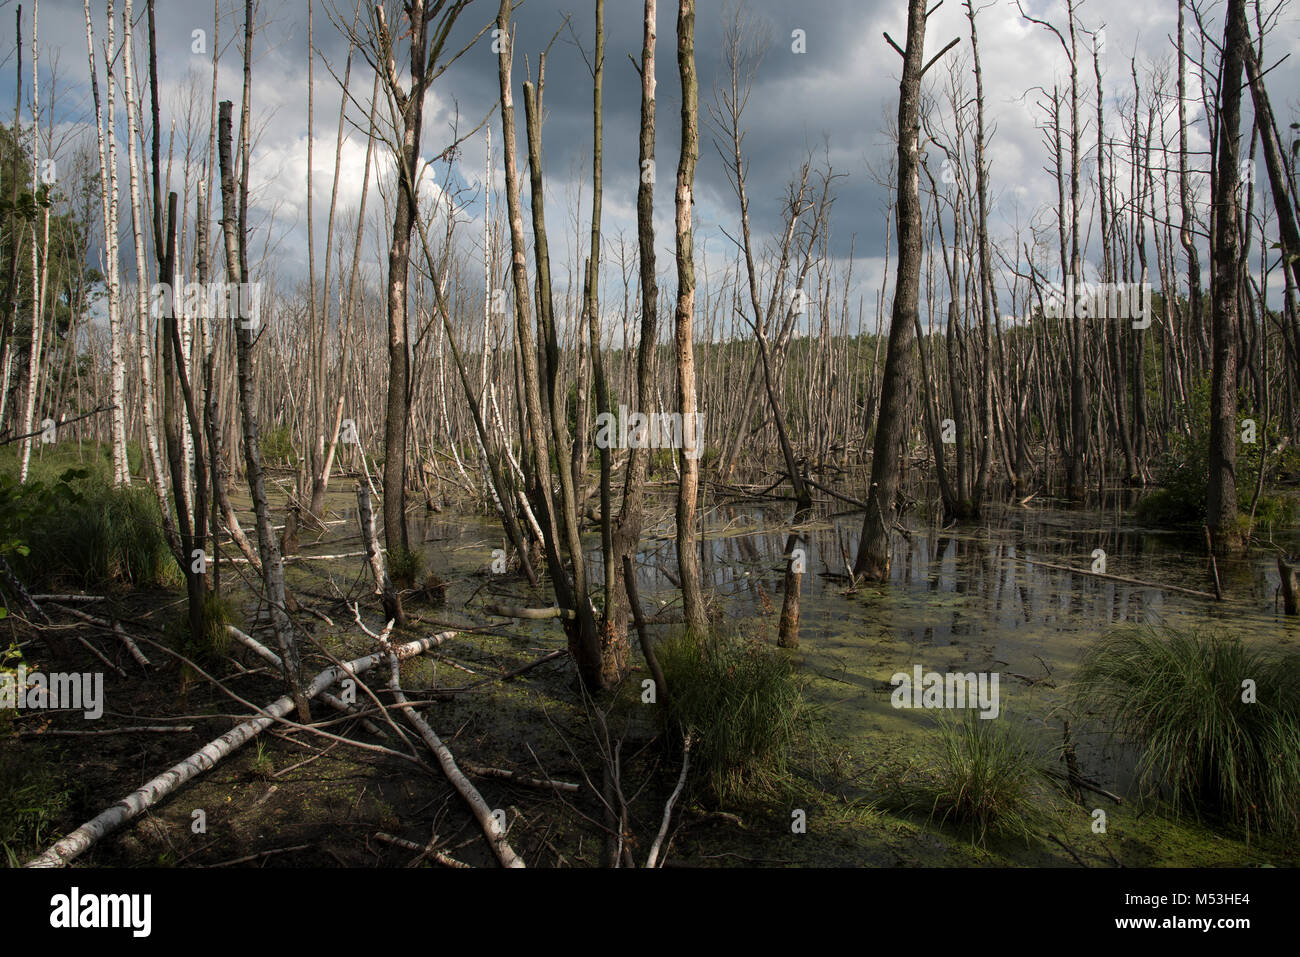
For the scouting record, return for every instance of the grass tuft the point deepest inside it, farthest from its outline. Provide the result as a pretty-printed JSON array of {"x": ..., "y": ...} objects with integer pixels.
[
  {"x": 1177, "y": 698},
  {"x": 743, "y": 702},
  {"x": 985, "y": 776}
]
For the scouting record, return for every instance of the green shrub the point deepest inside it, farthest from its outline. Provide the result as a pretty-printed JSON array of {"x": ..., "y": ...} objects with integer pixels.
[
  {"x": 1176, "y": 697},
  {"x": 1183, "y": 472},
  {"x": 743, "y": 703},
  {"x": 84, "y": 531}
]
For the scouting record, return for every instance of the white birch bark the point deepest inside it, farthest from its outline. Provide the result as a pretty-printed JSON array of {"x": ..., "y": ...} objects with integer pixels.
[{"x": 134, "y": 804}]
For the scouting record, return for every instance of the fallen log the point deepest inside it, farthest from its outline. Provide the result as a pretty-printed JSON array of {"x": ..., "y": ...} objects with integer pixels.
[
  {"x": 507, "y": 775},
  {"x": 269, "y": 656},
  {"x": 492, "y": 829},
  {"x": 426, "y": 851},
  {"x": 509, "y": 611},
  {"x": 83, "y": 838},
  {"x": 849, "y": 499},
  {"x": 1086, "y": 573},
  {"x": 116, "y": 629}
]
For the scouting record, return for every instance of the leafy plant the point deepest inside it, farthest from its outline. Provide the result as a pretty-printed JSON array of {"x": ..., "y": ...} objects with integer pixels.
[{"x": 86, "y": 531}]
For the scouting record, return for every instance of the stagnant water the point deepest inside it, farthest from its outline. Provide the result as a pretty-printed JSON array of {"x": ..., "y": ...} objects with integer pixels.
[
  {"x": 965, "y": 598},
  {"x": 973, "y": 597}
]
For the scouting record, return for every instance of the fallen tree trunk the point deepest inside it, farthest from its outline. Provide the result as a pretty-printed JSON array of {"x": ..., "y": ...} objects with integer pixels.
[
  {"x": 131, "y": 806},
  {"x": 507, "y": 775},
  {"x": 492, "y": 829},
  {"x": 426, "y": 851},
  {"x": 269, "y": 656},
  {"x": 112, "y": 626},
  {"x": 509, "y": 611},
  {"x": 1121, "y": 578}
]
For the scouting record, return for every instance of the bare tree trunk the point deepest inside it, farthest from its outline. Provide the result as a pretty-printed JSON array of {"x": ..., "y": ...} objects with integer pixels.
[
  {"x": 1221, "y": 507},
  {"x": 38, "y": 293},
  {"x": 873, "y": 556},
  {"x": 106, "y": 154},
  {"x": 988, "y": 295},
  {"x": 405, "y": 209},
  {"x": 613, "y": 625},
  {"x": 687, "y": 560},
  {"x": 233, "y": 223},
  {"x": 627, "y": 532},
  {"x": 148, "y": 411},
  {"x": 1275, "y": 163},
  {"x": 1187, "y": 222},
  {"x": 570, "y": 593}
]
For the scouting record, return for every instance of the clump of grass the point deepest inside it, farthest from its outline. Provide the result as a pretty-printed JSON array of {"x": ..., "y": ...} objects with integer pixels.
[
  {"x": 743, "y": 703},
  {"x": 985, "y": 776},
  {"x": 32, "y": 796},
  {"x": 213, "y": 640},
  {"x": 82, "y": 529},
  {"x": 1177, "y": 698},
  {"x": 263, "y": 765},
  {"x": 405, "y": 566}
]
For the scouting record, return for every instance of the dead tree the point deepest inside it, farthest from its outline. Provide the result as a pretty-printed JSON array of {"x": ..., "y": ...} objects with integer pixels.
[
  {"x": 426, "y": 17},
  {"x": 627, "y": 530},
  {"x": 873, "y": 556},
  {"x": 1221, "y": 505},
  {"x": 234, "y": 213},
  {"x": 688, "y": 488}
]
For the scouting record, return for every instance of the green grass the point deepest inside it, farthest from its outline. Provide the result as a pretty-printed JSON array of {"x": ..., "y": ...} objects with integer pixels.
[
  {"x": 743, "y": 703},
  {"x": 984, "y": 776},
  {"x": 32, "y": 795},
  {"x": 263, "y": 765},
  {"x": 78, "y": 530},
  {"x": 1176, "y": 698},
  {"x": 405, "y": 566}
]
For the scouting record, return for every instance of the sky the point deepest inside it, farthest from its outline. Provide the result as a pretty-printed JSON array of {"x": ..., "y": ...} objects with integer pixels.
[{"x": 827, "y": 85}]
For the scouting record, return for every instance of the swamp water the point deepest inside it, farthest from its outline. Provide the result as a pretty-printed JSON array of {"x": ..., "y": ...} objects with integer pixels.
[{"x": 967, "y": 598}]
